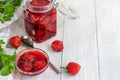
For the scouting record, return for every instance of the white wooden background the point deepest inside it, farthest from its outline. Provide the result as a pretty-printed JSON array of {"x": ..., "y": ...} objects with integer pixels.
[{"x": 93, "y": 41}]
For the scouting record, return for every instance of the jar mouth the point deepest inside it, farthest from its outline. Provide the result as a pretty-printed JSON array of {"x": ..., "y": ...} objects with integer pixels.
[{"x": 40, "y": 9}]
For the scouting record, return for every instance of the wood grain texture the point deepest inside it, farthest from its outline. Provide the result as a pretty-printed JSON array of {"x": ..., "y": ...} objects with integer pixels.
[
  {"x": 108, "y": 27},
  {"x": 80, "y": 41}
]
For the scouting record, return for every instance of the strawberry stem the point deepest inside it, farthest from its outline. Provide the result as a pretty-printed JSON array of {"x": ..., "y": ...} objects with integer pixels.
[
  {"x": 9, "y": 45},
  {"x": 64, "y": 69}
]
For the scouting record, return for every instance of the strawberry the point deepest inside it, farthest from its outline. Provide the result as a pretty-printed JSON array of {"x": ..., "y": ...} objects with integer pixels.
[
  {"x": 40, "y": 38},
  {"x": 37, "y": 38},
  {"x": 46, "y": 20},
  {"x": 53, "y": 16},
  {"x": 39, "y": 64},
  {"x": 57, "y": 45},
  {"x": 53, "y": 11},
  {"x": 29, "y": 27},
  {"x": 28, "y": 58},
  {"x": 42, "y": 26},
  {"x": 73, "y": 68},
  {"x": 51, "y": 27},
  {"x": 15, "y": 41},
  {"x": 35, "y": 18},
  {"x": 39, "y": 32},
  {"x": 26, "y": 67}
]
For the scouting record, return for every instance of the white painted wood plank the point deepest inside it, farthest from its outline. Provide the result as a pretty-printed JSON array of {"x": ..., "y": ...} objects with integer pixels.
[
  {"x": 80, "y": 41},
  {"x": 108, "y": 23}
]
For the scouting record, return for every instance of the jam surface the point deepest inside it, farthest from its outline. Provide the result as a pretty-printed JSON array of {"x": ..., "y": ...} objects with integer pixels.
[
  {"x": 40, "y": 2},
  {"x": 40, "y": 26},
  {"x": 32, "y": 60}
]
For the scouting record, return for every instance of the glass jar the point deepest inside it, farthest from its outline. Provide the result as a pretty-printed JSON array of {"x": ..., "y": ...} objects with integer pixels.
[{"x": 40, "y": 19}]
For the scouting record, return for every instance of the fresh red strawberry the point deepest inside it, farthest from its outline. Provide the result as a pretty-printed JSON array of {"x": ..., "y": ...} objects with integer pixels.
[
  {"x": 57, "y": 45},
  {"x": 15, "y": 41},
  {"x": 46, "y": 20},
  {"x": 51, "y": 27},
  {"x": 73, "y": 68},
  {"x": 39, "y": 64}
]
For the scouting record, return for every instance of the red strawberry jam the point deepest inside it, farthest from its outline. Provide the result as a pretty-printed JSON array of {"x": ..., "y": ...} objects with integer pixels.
[
  {"x": 32, "y": 61},
  {"x": 40, "y": 20}
]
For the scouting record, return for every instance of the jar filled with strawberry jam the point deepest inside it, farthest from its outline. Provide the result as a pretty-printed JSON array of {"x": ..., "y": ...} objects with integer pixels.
[{"x": 40, "y": 19}]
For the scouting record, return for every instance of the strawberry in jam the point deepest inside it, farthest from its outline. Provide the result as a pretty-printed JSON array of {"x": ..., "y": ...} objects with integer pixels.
[
  {"x": 26, "y": 67},
  {"x": 53, "y": 16},
  {"x": 39, "y": 65},
  {"x": 46, "y": 20},
  {"x": 35, "y": 18},
  {"x": 41, "y": 38},
  {"x": 51, "y": 28},
  {"x": 28, "y": 58},
  {"x": 39, "y": 32},
  {"x": 42, "y": 26}
]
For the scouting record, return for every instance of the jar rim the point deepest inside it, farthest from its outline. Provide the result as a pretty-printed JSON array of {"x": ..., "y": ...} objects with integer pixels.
[{"x": 40, "y": 9}]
